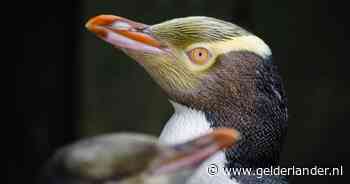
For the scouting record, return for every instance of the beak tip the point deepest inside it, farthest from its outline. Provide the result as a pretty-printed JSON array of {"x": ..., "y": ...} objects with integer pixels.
[
  {"x": 88, "y": 25},
  {"x": 100, "y": 20},
  {"x": 236, "y": 134},
  {"x": 227, "y": 136}
]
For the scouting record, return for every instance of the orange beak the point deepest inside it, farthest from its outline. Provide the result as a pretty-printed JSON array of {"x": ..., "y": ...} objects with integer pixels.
[
  {"x": 123, "y": 33},
  {"x": 191, "y": 154}
]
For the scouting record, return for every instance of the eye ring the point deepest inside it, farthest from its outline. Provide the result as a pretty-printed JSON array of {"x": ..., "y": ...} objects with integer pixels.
[{"x": 199, "y": 55}]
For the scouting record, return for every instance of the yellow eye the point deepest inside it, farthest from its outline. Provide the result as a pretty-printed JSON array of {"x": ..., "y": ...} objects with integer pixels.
[{"x": 199, "y": 55}]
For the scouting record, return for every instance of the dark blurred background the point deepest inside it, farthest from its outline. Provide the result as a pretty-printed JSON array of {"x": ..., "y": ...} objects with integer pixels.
[{"x": 72, "y": 85}]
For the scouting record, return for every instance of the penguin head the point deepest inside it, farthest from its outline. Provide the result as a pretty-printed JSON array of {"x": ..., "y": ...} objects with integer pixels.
[{"x": 194, "y": 59}]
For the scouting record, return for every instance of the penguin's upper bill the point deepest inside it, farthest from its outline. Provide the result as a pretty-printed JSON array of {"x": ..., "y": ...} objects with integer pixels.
[{"x": 127, "y": 158}]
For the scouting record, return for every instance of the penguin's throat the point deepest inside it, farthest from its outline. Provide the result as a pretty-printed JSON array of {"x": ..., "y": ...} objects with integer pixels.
[{"x": 185, "y": 124}]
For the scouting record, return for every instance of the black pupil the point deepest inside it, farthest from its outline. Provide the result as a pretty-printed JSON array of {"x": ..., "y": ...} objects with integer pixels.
[{"x": 200, "y": 54}]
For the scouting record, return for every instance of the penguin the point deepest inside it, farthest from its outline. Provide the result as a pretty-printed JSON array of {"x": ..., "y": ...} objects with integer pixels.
[
  {"x": 133, "y": 158},
  {"x": 216, "y": 74}
]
